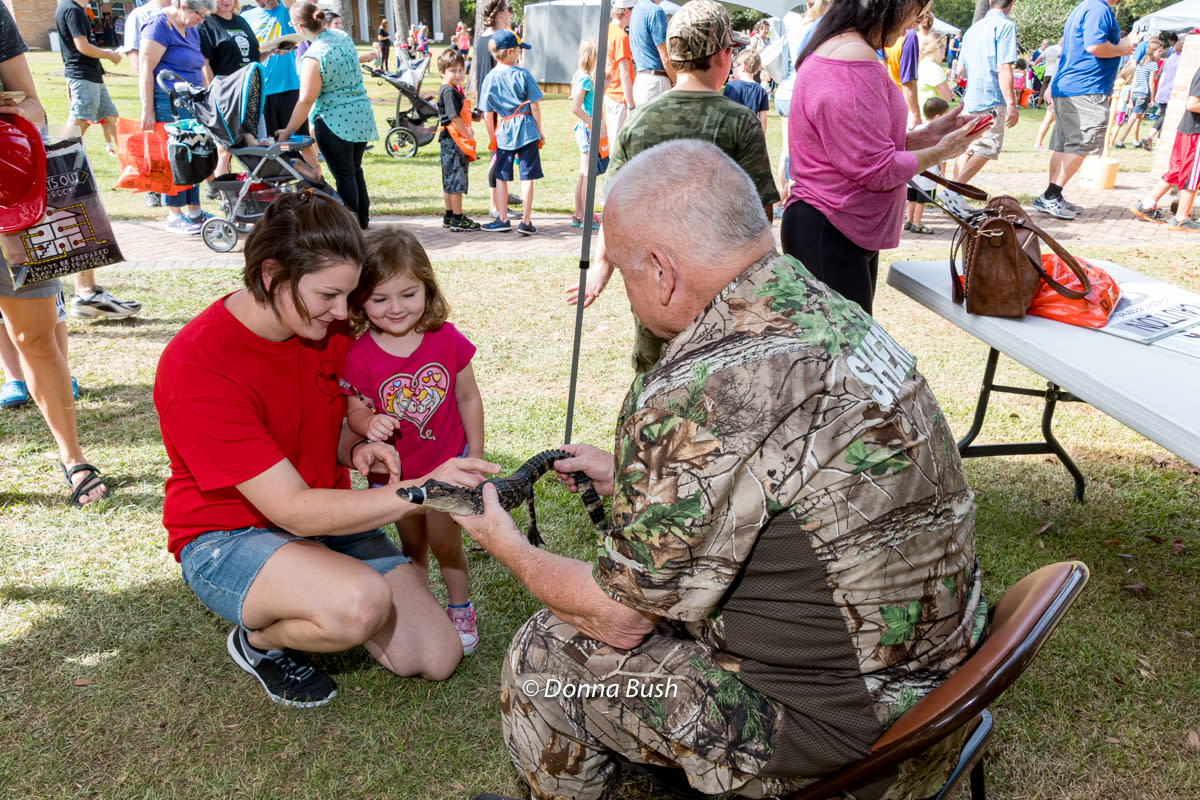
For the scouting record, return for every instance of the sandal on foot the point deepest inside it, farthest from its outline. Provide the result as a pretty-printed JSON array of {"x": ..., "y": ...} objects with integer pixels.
[
  {"x": 86, "y": 485},
  {"x": 922, "y": 229}
]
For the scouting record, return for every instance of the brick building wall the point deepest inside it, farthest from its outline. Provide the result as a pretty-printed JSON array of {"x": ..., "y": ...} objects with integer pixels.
[{"x": 35, "y": 20}]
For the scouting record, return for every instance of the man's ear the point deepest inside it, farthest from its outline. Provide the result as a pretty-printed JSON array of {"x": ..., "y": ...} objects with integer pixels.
[{"x": 662, "y": 265}]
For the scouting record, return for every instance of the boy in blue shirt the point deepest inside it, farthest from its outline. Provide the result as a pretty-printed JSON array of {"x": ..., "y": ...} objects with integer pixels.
[{"x": 513, "y": 95}]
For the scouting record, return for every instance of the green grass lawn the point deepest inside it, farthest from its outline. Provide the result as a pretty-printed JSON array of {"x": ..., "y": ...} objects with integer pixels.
[{"x": 114, "y": 682}]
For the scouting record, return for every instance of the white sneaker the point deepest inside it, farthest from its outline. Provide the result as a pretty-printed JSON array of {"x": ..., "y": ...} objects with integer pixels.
[
  {"x": 955, "y": 202},
  {"x": 1053, "y": 207}
]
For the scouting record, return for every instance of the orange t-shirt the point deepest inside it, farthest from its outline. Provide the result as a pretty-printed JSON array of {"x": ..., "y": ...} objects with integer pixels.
[{"x": 618, "y": 50}]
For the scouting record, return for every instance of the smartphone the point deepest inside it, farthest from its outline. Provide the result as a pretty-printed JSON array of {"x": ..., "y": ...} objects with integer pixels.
[{"x": 983, "y": 123}]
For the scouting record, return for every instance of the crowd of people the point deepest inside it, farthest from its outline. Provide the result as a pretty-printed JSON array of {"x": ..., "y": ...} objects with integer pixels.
[{"x": 791, "y": 596}]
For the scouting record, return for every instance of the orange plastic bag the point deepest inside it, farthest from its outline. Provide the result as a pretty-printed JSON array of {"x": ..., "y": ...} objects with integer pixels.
[
  {"x": 1090, "y": 312},
  {"x": 144, "y": 163}
]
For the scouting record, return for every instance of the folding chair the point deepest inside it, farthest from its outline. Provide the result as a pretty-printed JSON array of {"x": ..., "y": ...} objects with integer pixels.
[{"x": 1020, "y": 624}]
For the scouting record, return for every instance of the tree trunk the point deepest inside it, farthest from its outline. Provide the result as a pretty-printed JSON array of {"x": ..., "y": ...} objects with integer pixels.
[
  {"x": 345, "y": 8},
  {"x": 472, "y": 83},
  {"x": 400, "y": 18}
]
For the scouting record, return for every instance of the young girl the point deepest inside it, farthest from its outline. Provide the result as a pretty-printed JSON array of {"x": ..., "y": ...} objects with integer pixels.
[
  {"x": 582, "y": 93},
  {"x": 414, "y": 368},
  {"x": 1141, "y": 91}
]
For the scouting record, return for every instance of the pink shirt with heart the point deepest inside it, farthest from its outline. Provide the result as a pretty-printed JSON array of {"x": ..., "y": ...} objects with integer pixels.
[{"x": 419, "y": 391}]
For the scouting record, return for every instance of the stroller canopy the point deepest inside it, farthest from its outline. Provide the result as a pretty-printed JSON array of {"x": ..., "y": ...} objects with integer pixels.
[{"x": 232, "y": 105}]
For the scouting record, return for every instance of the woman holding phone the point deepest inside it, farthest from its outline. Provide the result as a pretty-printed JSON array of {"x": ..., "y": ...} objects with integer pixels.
[{"x": 850, "y": 152}]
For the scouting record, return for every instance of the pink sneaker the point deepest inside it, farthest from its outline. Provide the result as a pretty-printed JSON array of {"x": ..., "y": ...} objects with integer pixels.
[{"x": 464, "y": 623}]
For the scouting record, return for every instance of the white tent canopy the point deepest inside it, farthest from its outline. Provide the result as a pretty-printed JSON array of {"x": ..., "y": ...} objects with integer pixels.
[
  {"x": 553, "y": 31},
  {"x": 1179, "y": 17}
]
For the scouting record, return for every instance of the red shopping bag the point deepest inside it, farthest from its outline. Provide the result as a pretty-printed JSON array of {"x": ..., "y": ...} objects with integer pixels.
[
  {"x": 1090, "y": 312},
  {"x": 144, "y": 163}
]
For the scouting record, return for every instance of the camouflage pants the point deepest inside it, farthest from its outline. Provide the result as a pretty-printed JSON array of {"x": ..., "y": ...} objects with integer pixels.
[{"x": 571, "y": 704}]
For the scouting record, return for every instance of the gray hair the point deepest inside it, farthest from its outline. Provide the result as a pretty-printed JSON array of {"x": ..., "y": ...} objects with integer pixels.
[
  {"x": 196, "y": 6},
  {"x": 716, "y": 207}
]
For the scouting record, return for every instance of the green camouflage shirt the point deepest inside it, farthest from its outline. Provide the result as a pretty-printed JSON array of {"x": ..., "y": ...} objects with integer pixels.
[
  {"x": 699, "y": 115},
  {"x": 788, "y": 489}
]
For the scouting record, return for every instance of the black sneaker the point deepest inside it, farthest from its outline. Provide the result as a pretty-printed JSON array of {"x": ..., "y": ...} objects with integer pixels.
[
  {"x": 497, "y": 226},
  {"x": 102, "y": 304},
  {"x": 461, "y": 224},
  {"x": 287, "y": 675}
]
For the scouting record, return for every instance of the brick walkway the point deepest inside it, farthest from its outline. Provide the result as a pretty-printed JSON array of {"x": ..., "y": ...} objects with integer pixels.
[{"x": 1105, "y": 221}]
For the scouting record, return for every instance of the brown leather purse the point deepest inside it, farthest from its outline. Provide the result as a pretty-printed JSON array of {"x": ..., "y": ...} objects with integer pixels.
[{"x": 1002, "y": 256}]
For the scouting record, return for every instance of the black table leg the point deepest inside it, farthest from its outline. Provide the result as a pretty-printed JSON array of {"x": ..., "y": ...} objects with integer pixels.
[{"x": 1049, "y": 446}]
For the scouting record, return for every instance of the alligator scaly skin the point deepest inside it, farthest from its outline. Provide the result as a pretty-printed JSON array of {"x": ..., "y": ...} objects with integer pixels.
[{"x": 512, "y": 490}]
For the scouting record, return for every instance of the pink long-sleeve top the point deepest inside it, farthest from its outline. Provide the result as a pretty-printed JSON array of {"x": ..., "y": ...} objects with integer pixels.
[{"x": 846, "y": 132}]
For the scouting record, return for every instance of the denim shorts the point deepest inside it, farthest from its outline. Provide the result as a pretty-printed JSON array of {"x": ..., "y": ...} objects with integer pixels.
[
  {"x": 454, "y": 168},
  {"x": 220, "y": 566},
  {"x": 90, "y": 101},
  {"x": 1141, "y": 102}
]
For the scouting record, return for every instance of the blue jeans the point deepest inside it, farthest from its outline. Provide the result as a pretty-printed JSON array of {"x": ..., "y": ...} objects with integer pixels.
[
  {"x": 164, "y": 113},
  {"x": 220, "y": 566}
]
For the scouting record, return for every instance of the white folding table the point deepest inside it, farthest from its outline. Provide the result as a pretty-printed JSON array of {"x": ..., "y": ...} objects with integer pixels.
[{"x": 1152, "y": 390}]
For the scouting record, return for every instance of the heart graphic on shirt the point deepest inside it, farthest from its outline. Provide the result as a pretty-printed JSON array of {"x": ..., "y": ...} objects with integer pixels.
[{"x": 415, "y": 397}]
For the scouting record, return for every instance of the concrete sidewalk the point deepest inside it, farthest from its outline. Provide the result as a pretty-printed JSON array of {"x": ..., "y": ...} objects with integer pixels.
[
  {"x": 148, "y": 245},
  {"x": 1106, "y": 220}
]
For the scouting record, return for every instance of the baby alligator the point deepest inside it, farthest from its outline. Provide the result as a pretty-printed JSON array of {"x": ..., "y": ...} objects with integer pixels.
[{"x": 513, "y": 490}]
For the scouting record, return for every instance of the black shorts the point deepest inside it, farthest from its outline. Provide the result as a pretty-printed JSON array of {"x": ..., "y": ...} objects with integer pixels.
[
  {"x": 277, "y": 111},
  {"x": 454, "y": 168}
]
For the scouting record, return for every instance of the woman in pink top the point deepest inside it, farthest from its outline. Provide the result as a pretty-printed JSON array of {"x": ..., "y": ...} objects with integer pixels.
[{"x": 850, "y": 154}]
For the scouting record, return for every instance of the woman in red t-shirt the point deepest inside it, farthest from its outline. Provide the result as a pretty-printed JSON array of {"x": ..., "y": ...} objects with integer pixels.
[{"x": 257, "y": 509}]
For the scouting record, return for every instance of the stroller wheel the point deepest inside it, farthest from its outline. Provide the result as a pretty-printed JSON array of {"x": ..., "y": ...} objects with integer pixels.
[
  {"x": 219, "y": 234},
  {"x": 400, "y": 143}
]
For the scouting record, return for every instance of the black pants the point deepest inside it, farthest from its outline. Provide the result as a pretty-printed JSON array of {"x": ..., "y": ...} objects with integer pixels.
[
  {"x": 344, "y": 160},
  {"x": 1162, "y": 115},
  {"x": 806, "y": 234}
]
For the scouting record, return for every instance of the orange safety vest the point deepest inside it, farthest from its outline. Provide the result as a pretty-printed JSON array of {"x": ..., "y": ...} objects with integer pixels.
[{"x": 466, "y": 145}]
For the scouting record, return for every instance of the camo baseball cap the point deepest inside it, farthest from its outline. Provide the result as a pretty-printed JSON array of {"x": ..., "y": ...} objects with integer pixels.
[{"x": 700, "y": 29}]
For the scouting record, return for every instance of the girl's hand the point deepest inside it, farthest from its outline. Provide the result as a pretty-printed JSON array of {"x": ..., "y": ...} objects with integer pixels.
[
  {"x": 376, "y": 457},
  {"x": 591, "y": 461},
  {"x": 148, "y": 120},
  {"x": 381, "y": 427}
]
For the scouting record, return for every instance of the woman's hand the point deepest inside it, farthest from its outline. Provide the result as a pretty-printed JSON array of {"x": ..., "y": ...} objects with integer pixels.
[
  {"x": 282, "y": 135},
  {"x": 932, "y": 133},
  {"x": 377, "y": 457},
  {"x": 148, "y": 119},
  {"x": 468, "y": 472},
  {"x": 956, "y": 142},
  {"x": 591, "y": 461}
]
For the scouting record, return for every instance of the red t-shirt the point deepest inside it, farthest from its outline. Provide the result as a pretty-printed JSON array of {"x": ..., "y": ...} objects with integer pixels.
[
  {"x": 231, "y": 405},
  {"x": 419, "y": 389}
]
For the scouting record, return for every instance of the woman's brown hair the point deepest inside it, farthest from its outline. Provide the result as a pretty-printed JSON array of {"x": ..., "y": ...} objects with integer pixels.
[
  {"x": 300, "y": 233},
  {"x": 391, "y": 252}
]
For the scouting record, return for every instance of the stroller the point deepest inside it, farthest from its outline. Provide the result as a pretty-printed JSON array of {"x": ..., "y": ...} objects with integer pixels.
[
  {"x": 408, "y": 130},
  {"x": 230, "y": 108}
]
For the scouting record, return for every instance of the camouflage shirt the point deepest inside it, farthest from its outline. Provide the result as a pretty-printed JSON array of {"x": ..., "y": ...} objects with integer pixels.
[
  {"x": 709, "y": 116},
  {"x": 788, "y": 490}
]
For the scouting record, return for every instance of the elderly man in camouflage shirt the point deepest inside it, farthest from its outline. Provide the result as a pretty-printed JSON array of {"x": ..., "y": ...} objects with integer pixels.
[{"x": 791, "y": 562}]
